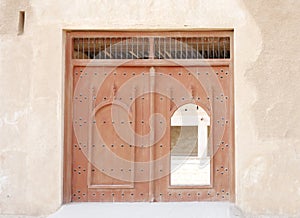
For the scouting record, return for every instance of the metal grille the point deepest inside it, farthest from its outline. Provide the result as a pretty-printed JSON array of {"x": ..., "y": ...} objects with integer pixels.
[
  {"x": 192, "y": 48},
  {"x": 111, "y": 48},
  {"x": 160, "y": 48}
]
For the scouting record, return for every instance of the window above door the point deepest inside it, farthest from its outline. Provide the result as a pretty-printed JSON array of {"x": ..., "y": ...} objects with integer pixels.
[{"x": 145, "y": 46}]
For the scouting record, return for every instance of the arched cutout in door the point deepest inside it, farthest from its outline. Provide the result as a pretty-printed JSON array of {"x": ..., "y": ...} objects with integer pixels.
[{"x": 190, "y": 162}]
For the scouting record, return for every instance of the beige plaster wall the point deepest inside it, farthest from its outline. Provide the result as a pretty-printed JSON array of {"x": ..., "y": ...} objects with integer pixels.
[{"x": 267, "y": 92}]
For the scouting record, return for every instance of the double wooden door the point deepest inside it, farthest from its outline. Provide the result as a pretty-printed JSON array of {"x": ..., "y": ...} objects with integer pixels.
[{"x": 122, "y": 137}]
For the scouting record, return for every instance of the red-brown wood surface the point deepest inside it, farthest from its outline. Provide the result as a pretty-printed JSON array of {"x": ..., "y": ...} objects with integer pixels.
[{"x": 120, "y": 148}]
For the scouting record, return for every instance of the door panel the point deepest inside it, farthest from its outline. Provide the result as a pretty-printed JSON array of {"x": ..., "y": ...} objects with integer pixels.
[
  {"x": 207, "y": 88},
  {"x": 122, "y": 149},
  {"x": 110, "y": 163}
]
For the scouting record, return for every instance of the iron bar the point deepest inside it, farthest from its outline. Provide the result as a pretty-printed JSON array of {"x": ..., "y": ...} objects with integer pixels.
[
  {"x": 88, "y": 48},
  {"x": 83, "y": 48},
  {"x": 202, "y": 50},
  {"x": 137, "y": 48},
  {"x": 126, "y": 49},
  {"x": 158, "y": 47},
  {"x": 224, "y": 49},
  {"x": 121, "y": 44},
  {"x": 219, "y": 48},
  {"x": 181, "y": 48},
  {"x": 213, "y": 47},
  {"x": 175, "y": 39},
  {"x": 186, "y": 48},
  {"x": 94, "y": 46},
  {"x": 197, "y": 48},
  {"x": 105, "y": 48},
  {"x": 163, "y": 48},
  {"x": 143, "y": 51},
  {"x": 131, "y": 48}
]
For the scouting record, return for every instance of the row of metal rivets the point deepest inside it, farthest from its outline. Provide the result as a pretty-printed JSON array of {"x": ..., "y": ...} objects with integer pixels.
[
  {"x": 143, "y": 98},
  {"x": 112, "y": 145},
  {"x": 112, "y": 169},
  {"x": 143, "y": 73},
  {"x": 161, "y": 194},
  {"x": 181, "y": 195}
]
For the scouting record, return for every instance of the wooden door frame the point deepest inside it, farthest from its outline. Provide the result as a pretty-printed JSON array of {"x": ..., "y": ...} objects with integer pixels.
[{"x": 68, "y": 90}]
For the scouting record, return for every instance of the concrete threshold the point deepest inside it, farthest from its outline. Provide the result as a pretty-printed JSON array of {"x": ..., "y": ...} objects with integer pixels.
[{"x": 148, "y": 210}]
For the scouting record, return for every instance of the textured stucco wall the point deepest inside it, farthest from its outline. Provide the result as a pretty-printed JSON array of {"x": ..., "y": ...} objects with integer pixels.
[{"x": 267, "y": 92}]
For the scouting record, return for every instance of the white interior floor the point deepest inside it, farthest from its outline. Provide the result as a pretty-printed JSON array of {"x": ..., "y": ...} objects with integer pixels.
[
  {"x": 190, "y": 170},
  {"x": 148, "y": 210}
]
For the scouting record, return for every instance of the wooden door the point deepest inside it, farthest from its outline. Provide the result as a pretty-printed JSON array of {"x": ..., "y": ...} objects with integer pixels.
[
  {"x": 149, "y": 117},
  {"x": 110, "y": 136},
  {"x": 208, "y": 88},
  {"x": 122, "y": 132}
]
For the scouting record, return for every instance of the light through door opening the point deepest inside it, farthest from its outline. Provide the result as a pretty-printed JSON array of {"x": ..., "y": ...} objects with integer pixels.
[{"x": 190, "y": 162}]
